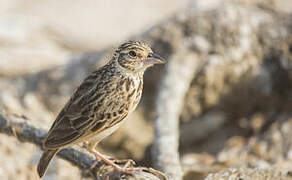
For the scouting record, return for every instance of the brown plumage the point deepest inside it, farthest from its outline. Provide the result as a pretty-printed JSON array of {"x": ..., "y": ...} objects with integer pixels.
[{"x": 101, "y": 103}]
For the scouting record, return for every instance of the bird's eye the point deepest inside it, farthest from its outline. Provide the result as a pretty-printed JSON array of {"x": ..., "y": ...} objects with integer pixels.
[{"x": 132, "y": 53}]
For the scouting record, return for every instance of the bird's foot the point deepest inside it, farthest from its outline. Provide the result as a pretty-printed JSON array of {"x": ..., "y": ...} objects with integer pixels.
[
  {"x": 127, "y": 163},
  {"x": 130, "y": 171},
  {"x": 127, "y": 168}
]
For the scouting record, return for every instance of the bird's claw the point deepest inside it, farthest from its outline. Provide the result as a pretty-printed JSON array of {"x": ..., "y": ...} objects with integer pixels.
[
  {"x": 130, "y": 171},
  {"x": 127, "y": 162}
]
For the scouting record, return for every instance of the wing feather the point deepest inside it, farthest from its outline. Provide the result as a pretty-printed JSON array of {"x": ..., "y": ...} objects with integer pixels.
[
  {"x": 75, "y": 119},
  {"x": 88, "y": 111},
  {"x": 62, "y": 134}
]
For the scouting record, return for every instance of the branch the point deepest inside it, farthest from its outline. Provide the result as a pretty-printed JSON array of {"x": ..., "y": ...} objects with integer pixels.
[
  {"x": 19, "y": 127},
  {"x": 180, "y": 71}
]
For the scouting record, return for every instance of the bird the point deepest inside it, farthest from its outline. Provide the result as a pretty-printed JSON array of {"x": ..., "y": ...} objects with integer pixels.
[{"x": 101, "y": 103}]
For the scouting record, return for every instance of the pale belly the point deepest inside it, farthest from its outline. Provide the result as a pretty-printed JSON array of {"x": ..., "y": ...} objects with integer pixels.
[{"x": 97, "y": 137}]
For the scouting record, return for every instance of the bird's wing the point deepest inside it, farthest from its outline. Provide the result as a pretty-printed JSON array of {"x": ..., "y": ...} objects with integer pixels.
[
  {"x": 75, "y": 119},
  {"x": 88, "y": 111},
  {"x": 62, "y": 134}
]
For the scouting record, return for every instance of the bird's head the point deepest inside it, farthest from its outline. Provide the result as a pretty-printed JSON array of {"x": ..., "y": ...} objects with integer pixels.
[{"x": 136, "y": 56}]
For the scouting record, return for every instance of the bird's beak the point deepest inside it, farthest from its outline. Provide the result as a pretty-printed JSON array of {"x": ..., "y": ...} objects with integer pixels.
[{"x": 153, "y": 59}]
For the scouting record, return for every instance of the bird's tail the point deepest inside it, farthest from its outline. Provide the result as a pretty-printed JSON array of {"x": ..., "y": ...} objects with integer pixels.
[{"x": 47, "y": 156}]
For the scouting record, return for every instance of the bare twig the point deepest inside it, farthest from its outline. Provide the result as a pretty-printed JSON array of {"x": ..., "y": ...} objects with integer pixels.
[
  {"x": 179, "y": 73},
  {"x": 25, "y": 132}
]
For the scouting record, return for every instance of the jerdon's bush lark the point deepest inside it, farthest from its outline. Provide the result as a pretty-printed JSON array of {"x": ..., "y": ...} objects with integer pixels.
[{"x": 101, "y": 103}]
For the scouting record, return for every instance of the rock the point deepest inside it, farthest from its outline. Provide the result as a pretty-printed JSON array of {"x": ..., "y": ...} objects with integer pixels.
[
  {"x": 250, "y": 174},
  {"x": 270, "y": 148},
  {"x": 262, "y": 155}
]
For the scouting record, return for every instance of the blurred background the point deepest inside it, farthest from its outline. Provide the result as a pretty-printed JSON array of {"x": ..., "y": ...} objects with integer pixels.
[{"x": 237, "y": 111}]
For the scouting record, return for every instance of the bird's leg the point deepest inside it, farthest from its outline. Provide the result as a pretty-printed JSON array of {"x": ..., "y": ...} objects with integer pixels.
[
  {"x": 91, "y": 148},
  {"x": 126, "y": 170},
  {"x": 85, "y": 145}
]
